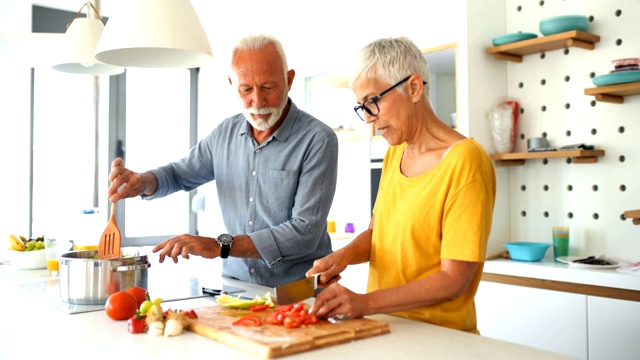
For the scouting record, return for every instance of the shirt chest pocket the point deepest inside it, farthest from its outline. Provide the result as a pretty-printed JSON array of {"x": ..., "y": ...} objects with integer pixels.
[{"x": 281, "y": 188}]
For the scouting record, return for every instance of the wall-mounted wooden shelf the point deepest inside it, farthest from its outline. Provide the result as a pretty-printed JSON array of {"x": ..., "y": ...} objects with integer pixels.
[
  {"x": 516, "y": 50},
  {"x": 633, "y": 214},
  {"x": 614, "y": 93},
  {"x": 577, "y": 156}
]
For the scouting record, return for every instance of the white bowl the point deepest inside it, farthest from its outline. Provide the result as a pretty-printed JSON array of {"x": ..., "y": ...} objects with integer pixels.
[{"x": 27, "y": 260}]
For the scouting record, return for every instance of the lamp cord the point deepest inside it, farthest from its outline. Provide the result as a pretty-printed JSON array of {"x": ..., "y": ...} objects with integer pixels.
[{"x": 80, "y": 11}]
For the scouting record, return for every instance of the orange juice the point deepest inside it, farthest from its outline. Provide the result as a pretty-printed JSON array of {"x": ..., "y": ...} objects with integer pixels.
[
  {"x": 85, "y": 247},
  {"x": 53, "y": 265}
]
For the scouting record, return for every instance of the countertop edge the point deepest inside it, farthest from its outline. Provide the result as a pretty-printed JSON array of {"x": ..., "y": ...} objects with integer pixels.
[{"x": 548, "y": 269}]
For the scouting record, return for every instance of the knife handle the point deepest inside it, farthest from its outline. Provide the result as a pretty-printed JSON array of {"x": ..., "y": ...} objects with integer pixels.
[
  {"x": 315, "y": 280},
  {"x": 212, "y": 292}
]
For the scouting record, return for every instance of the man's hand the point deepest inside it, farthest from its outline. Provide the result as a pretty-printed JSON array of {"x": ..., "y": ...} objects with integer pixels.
[{"x": 185, "y": 245}]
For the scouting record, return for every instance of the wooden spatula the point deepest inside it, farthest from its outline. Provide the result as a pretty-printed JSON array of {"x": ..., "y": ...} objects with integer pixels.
[{"x": 110, "y": 240}]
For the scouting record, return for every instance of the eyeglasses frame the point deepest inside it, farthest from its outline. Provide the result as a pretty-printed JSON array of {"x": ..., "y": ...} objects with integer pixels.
[{"x": 375, "y": 99}]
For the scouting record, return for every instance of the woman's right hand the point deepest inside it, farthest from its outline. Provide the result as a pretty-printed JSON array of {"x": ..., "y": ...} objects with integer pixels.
[{"x": 330, "y": 266}]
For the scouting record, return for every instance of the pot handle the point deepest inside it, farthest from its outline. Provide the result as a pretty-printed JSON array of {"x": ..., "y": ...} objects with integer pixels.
[{"x": 132, "y": 267}]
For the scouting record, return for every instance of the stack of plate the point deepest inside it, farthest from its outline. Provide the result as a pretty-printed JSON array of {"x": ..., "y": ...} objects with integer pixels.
[
  {"x": 513, "y": 37},
  {"x": 560, "y": 24},
  {"x": 624, "y": 71}
]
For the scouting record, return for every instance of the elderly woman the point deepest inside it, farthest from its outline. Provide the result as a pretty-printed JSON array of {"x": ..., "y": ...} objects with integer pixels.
[{"x": 428, "y": 234}]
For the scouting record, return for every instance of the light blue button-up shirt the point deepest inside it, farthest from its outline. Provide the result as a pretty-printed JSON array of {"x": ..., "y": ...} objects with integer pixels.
[{"x": 279, "y": 193}]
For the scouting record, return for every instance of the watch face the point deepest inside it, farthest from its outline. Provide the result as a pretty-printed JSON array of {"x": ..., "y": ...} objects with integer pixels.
[{"x": 225, "y": 239}]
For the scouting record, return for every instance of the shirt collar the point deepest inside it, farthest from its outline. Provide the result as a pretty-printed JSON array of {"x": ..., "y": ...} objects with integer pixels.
[{"x": 284, "y": 130}]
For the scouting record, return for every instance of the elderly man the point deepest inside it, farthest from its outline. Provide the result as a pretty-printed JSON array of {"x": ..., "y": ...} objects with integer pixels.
[{"x": 275, "y": 168}]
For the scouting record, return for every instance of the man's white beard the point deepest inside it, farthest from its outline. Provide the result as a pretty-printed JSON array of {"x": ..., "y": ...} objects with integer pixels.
[{"x": 275, "y": 112}]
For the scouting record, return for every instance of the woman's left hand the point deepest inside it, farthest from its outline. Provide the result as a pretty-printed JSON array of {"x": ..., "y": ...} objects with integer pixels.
[{"x": 338, "y": 302}]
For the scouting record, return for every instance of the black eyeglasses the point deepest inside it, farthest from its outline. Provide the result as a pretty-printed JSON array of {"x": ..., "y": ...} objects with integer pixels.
[{"x": 371, "y": 105}]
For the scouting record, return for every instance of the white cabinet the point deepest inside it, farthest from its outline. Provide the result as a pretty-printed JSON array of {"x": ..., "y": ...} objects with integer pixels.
[
  {"x": 614, "y": 328},
  {"x": 544, "y": 319}
]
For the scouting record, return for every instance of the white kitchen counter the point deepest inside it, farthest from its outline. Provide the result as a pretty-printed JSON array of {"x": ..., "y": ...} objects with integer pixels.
[
  {"x": 548, "y": 269},
  {"x": 32, "y": 327}
]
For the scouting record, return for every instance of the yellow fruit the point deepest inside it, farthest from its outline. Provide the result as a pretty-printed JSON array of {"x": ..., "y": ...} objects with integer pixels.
[{"x": 16, "y": 244}]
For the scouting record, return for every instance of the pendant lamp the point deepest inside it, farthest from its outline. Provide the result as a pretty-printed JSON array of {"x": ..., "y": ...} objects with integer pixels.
[
  {"x": 79, "y": 44},
  {"x": 154, "y": 34}
]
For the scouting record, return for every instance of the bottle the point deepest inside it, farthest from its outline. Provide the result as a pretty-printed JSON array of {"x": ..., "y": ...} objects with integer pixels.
[{"x": 89, "y": 228}]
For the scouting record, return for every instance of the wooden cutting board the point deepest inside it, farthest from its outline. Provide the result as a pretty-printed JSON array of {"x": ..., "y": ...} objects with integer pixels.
[{"x": 272, "y": 341}]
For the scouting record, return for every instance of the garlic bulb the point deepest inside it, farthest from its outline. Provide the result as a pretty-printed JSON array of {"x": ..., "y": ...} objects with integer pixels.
[
  {"x": 173, "y": 327},
  {"x": 156, "y": 328}
]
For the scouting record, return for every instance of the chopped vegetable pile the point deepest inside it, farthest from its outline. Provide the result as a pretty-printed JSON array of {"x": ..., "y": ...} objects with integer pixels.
[{"x": 289, "y": 316}]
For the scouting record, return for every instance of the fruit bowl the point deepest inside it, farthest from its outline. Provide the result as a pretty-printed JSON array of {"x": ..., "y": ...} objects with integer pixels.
[
  {"x": 27, "y": 260},
  {"x": 526, "y": 251},
  {"x": 560, "y": 24}
]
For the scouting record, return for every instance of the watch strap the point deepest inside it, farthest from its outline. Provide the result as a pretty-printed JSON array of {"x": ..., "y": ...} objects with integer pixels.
[{"x": 226, "y": 249}]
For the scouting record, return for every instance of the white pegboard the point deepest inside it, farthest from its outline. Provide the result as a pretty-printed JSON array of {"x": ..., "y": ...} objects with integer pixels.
[{"x": 538, "y": 192}]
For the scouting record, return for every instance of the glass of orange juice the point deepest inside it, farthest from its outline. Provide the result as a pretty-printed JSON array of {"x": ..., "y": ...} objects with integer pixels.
[{"x": 51, "y": 253}]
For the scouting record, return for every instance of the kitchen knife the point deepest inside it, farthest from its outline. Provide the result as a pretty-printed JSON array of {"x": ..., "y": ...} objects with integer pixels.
[
  {"x": 296, "y": 291},
  {"x": 226, "y": 290}
]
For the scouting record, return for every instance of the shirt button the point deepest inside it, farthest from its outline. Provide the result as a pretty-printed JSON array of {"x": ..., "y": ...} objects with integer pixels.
[
  {"x": 253, "y": 173},
  {"x": 250, "y": 222},
  {"x": 252, "y": 270},
  {"x": 250, "y": 199},
  {"x": 257, "y": 151}
]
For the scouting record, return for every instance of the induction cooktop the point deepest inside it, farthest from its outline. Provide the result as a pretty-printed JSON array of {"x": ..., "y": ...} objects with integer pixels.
[{"x": 168, "y": 288}]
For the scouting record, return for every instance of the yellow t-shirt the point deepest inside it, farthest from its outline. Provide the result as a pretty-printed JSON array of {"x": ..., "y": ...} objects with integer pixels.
[{"x": 445, "y": 213}]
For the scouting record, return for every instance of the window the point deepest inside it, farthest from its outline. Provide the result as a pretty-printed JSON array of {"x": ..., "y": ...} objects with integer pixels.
[
  {"x": 57, "y": 164},
  {"x": 158, "y": 131}
]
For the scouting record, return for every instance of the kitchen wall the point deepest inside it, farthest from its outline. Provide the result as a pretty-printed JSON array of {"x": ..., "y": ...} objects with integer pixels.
[{"x": 589, "y": 198}]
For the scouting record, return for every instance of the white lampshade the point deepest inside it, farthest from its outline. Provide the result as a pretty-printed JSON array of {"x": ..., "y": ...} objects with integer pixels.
[
  {"x": 154, "y": 34},
  {"x": 79, "y": 45}
]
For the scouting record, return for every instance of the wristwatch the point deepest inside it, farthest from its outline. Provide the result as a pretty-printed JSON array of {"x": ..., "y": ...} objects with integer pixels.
[{"x": 225, "y": 241}]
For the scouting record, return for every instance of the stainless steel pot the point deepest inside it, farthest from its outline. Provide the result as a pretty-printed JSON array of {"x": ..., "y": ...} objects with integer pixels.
[{"x": 86, "y": 280}]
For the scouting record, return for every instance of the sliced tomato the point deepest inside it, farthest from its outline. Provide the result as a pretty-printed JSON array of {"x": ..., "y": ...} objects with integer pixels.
[
  {"x": 249, "y": 320},
  {"x": 284, "y": 307},
  {"x": 257, "y": 308},
  {"x": 297, "y": 307},
  {"x": 291, "y": 322},
  {"x": 312, "y": 319},
  {"x": 275, "y": 318}
]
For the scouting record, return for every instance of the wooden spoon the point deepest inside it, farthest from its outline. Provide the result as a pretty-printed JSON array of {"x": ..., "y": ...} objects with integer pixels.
[{"x": 110, "y": 240}]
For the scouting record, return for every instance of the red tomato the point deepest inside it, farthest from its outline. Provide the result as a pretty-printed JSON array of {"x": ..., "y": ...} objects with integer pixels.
[
  {"x": 136, "y": 324},
  {"x": 291, "y": 322},
  {"x": 121, "y": 305},
  {"x": 139, "y": 293},
  {"x": 249, "y": 320},
  {"x": 256, "y": 308}
]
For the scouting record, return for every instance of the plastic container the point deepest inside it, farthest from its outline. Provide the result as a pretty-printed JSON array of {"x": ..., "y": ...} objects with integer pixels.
[{"x": 88, "y": 229}]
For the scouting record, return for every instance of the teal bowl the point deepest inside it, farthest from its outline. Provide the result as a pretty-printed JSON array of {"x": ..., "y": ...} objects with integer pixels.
[
  {"x": 560, "y": 24},
  {"x": 513, "y": 37},
  {"x": 526, "y": 251}
]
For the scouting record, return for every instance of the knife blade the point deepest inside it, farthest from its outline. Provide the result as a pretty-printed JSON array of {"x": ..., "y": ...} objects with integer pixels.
[{"x": 296, "y": 291}]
